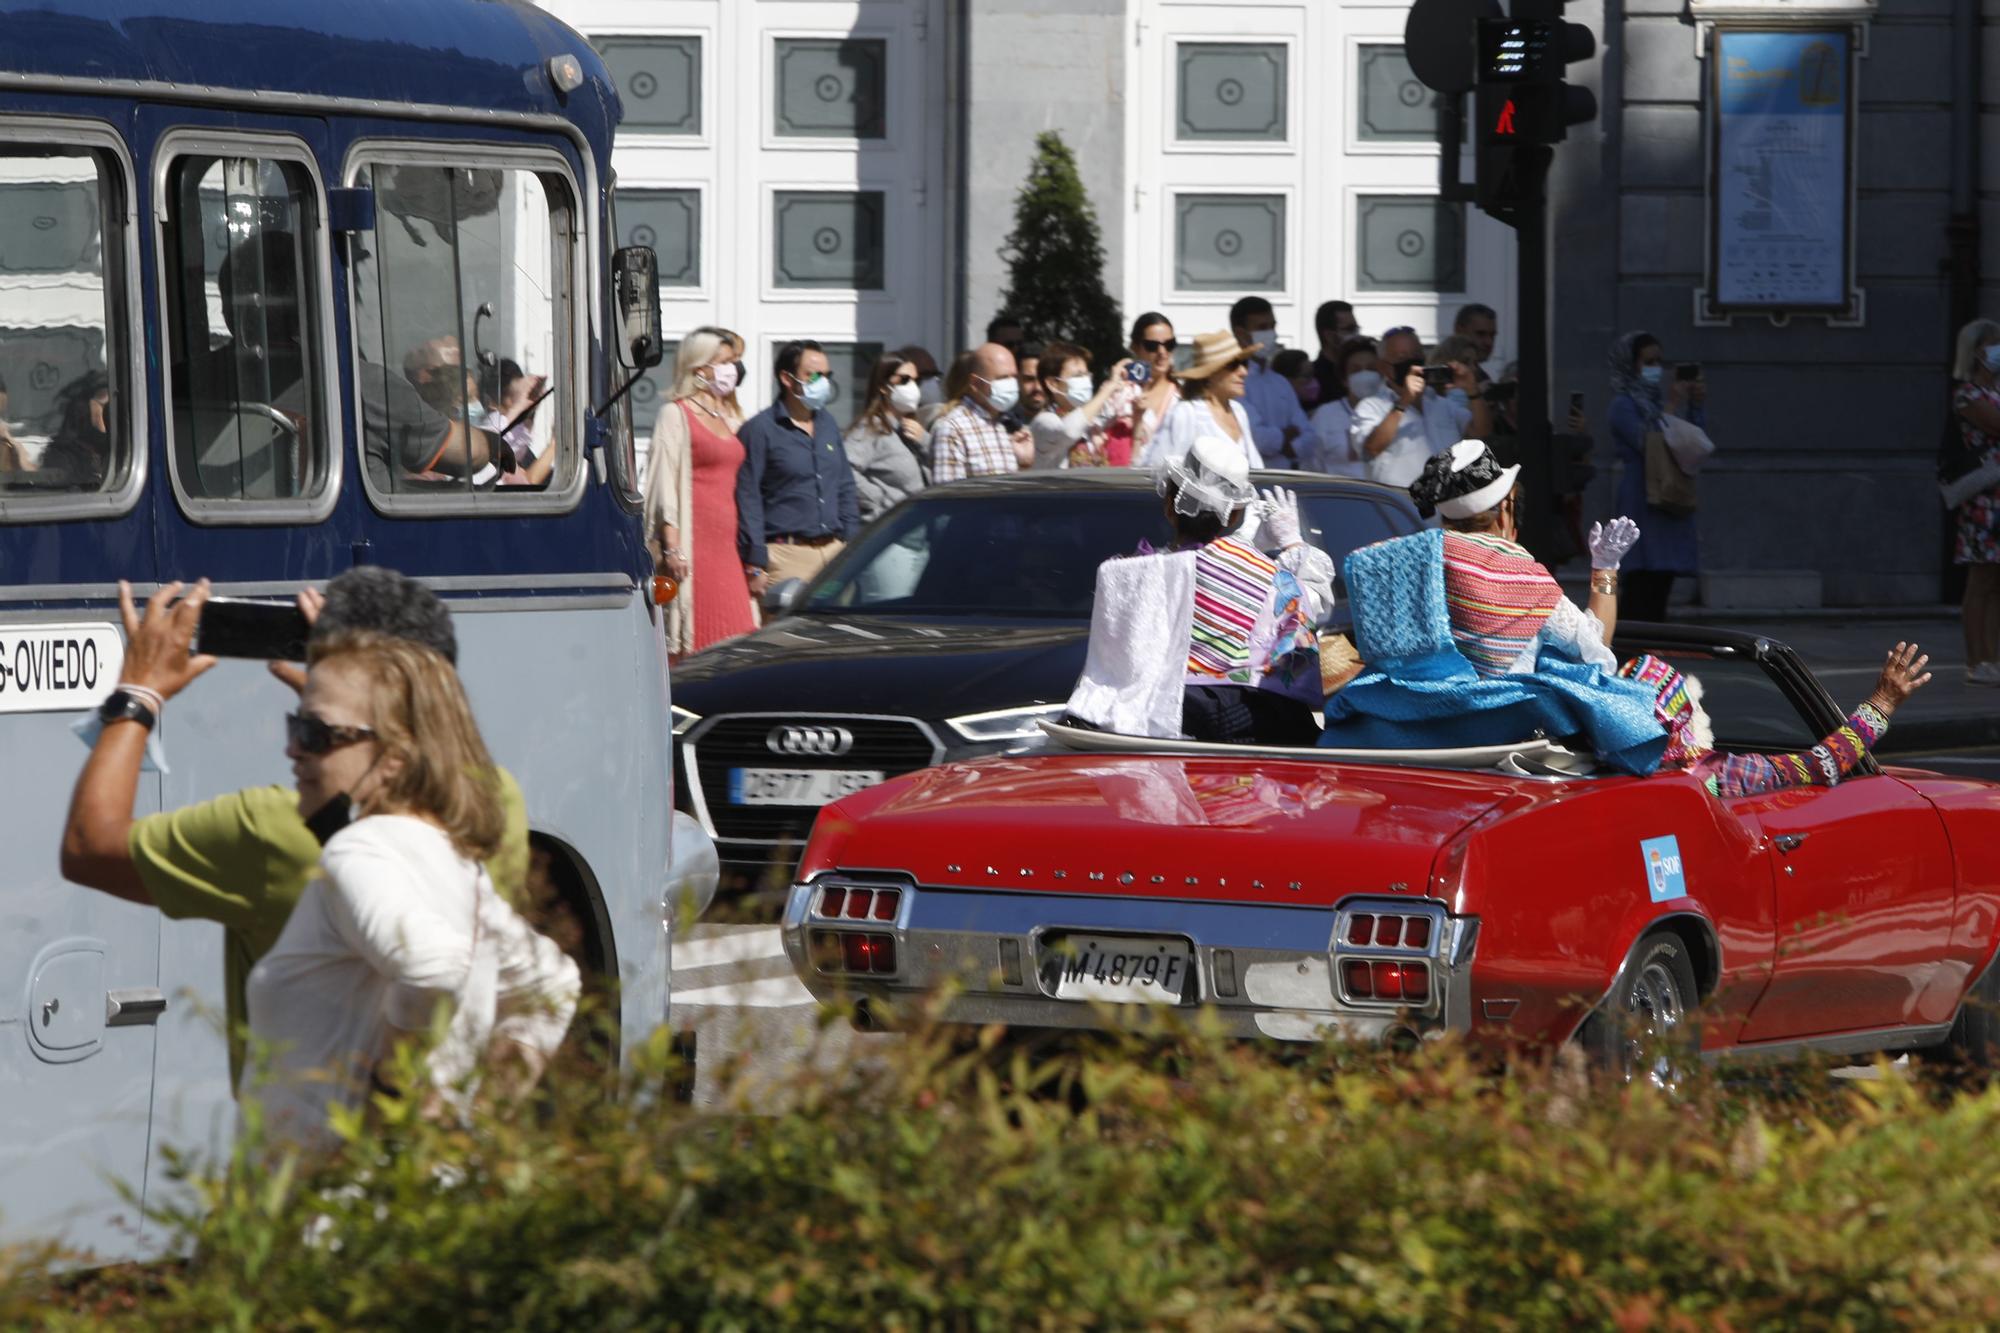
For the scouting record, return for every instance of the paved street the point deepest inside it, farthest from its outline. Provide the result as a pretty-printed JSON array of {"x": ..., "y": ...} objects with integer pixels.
[{"x": 733, "y": 988}]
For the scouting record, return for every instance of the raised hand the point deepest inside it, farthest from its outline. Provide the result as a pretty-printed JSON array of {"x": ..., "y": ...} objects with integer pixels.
[
  {"x": 1281, "y": 517},
  {"x": 1903, "y": 674},
  {"x": 1610, "y": 542},
  {"x": 156, "y": 646}
]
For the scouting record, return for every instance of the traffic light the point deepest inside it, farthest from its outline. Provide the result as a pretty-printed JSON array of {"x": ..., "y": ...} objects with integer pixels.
[
  {"x": 1523, "y": 97},
  {"x": 1521, "y": 100}
]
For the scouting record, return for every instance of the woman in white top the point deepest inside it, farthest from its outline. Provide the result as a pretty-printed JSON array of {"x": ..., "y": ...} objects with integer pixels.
[
  {"x": 402, "y": 937},
  {"x": 1334, "y": 422},
  {"x": 1143, "y": 393},
  {"x": 1214, "y": 384}
]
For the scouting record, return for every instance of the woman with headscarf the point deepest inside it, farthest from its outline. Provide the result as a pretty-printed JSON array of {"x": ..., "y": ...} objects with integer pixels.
[
  {"x": 1641, "y": 402},
  {"x": 1691, "y": 741}
]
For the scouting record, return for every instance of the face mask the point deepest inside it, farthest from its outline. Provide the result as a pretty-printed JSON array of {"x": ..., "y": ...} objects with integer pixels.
[
  {"x": 905, "y": 397},
  {"x": 1991, "y": 356},
  {"x": 722, "y": 379},
  {"x": 1077, "y": 389},
  {"x": 1266, "y": 340},
  {"x": 1364, "y": 383},
  {"x": 331, "y": 818},
  {"x": 818, "y": 393},
  {"x": 1652, "y": 374},
  {"x": 1458, "y": 397},
  {"x": 1001, "y": 395},
  {"x": 930, "y": 392}
]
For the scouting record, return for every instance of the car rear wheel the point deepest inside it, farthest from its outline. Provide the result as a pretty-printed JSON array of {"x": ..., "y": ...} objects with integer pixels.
[
  {"x": 1974, "y": 1043},
  {"x": 1647, "y": 1029}
]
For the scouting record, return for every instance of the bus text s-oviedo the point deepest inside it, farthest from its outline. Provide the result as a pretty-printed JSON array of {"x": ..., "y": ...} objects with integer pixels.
[{"x": 279, "y": 283}]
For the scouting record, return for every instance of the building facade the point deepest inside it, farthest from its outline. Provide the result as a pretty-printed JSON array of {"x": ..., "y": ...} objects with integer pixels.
[{"x": 846, "y": 170}]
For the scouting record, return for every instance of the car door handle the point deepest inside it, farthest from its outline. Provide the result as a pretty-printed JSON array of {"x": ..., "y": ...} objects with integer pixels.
[
  {"x": 1788, "y": 843},
  {"x": 132, "y": 1007}
]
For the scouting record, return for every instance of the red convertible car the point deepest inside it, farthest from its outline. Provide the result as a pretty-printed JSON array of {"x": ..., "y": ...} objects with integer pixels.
[{"x": 1509, "y": 894}]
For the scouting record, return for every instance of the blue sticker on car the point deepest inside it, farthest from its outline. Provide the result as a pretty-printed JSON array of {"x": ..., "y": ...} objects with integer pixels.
[{"x": 1664, "y": 877}]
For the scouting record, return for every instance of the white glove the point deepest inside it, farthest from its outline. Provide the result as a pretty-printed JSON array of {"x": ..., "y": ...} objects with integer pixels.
[
  {"x": 1281, "y": 518},
  {"x": 1608, "y": 545}
]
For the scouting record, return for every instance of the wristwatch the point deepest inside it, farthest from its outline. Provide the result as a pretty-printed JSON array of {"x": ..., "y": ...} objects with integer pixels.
[{"x": 122, "y": 706}]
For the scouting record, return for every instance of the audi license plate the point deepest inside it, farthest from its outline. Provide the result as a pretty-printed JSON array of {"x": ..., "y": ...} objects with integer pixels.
[
  {"x": 1123, "y": 969},
  {"x": 797, "y": 786}
]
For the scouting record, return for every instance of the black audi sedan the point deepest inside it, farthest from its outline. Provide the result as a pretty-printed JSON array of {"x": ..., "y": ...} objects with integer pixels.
[{"x": 948, "y": 629}]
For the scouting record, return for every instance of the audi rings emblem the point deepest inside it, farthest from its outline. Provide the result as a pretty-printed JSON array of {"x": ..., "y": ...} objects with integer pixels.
[{"x": 823, "y": 741}]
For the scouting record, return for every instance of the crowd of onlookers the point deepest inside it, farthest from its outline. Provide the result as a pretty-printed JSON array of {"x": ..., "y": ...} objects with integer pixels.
[{"x": 738, "y": 501}]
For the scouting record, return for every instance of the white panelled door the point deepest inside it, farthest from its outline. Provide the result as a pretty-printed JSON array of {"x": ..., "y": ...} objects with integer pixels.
[
  {"x": 1284, "y": 149},
  {"x": 783, "y": 156}
]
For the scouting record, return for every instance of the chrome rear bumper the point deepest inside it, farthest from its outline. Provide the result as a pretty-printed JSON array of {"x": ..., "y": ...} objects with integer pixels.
[{"x": 1259, "y": 970}]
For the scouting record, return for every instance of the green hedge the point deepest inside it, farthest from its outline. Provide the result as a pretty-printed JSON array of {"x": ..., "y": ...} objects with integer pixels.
[{"x": 1183, "y": 1184}]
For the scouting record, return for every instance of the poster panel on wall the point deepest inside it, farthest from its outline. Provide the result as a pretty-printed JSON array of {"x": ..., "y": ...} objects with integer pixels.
[{"x": 1780, "y": 187}]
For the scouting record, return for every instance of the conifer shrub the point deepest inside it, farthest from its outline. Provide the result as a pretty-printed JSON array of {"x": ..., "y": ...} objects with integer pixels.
[{"x": 1055, "y": 258}]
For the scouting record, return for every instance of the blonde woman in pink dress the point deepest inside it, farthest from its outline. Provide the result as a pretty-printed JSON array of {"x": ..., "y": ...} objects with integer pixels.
[{"x": 691, "y": 496}]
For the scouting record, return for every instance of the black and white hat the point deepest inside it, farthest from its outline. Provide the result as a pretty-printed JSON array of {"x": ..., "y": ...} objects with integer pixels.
[{"x": 1464, "y": 480}]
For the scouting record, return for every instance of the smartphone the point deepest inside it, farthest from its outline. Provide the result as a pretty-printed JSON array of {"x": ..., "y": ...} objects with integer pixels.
[
  {"x": 1440, "y": 378},
  {"x": 1576, "y": 400},
  {"x": 1688, "y": 370},
  {"x": 1138, "y": 372},
  {"x": 268, "y": 631},
  {"x": 1401, "y": 373},
  {"x": 1501, "y": 391}
]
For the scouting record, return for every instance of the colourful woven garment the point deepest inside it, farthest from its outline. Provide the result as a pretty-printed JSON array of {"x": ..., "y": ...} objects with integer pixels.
[
  {"x": 1232, "y": 588},
  {"x": 1822, "y": 766},
  {"x": 1498, "y": 596},
  {"x": 1673, "y": 705}
]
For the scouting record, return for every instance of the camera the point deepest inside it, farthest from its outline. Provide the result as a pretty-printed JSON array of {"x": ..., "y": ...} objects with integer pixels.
[{"x": 1439, "y": 378}]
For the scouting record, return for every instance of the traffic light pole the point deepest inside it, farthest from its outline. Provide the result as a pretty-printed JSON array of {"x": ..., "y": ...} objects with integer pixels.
[{"x": 1531, "y": 402}]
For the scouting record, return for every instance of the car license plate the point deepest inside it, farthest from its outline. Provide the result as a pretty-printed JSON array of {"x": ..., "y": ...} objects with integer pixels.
[
  {"x": 1123, "y": 969},
  {"x": 797, "y": 786}
]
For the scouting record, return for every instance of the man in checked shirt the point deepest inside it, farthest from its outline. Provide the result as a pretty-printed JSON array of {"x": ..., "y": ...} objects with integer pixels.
[{"x": 979, "y": 438}]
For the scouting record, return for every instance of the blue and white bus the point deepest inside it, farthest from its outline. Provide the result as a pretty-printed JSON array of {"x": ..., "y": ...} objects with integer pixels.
[{"x": 278, "y": 280}]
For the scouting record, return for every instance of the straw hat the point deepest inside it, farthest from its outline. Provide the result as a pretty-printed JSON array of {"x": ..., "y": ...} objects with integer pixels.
[{"x": 1215, "y": 353}]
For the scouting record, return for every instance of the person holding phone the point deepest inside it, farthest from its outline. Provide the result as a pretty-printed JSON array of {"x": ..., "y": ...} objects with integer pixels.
[
  {"x": 1069, "y": 429},
  {"x": 1144, "y": 393},
  {"x": 1410, "y": 419},
  {"x": 242, "y": 859},
  {"x": 1642, "y": 397},
  {"x": 1357, "y": 368}
]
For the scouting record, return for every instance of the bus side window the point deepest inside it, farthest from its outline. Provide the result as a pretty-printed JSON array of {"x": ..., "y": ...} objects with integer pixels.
[
  {"x": 66, "y": 425},
  {"x": 244, "y": 388},
  {"x": 464, "y": 353}
]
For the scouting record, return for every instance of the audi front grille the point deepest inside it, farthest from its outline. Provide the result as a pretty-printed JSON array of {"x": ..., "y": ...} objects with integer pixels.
[{"x": 715, "y": 745}]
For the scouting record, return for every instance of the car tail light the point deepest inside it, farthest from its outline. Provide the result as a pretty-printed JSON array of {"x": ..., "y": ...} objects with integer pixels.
[
  {"x": 857, "y": 904},
  {"x": 1387, "y": 980},
  {"x": 826, "y": 951},
  {"x": 831, "y": 899},
  {"x": 1389, "y": 931},
  {"x": 1417, "y": 932},
  {"x": 1416, "y": 982},
  {"x": 1359, "y": 980},
  {"x": 1361, "y": 929},
  {"x": 863, "y": 954},
  {"x": 885, "y": 904}
]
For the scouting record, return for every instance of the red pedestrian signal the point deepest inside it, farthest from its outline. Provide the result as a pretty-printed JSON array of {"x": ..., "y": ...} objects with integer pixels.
[{"x": 1505, "y": 124}]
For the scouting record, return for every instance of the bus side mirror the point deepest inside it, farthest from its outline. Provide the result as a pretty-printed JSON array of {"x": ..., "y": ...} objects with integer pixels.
[{"x": 635, "y": 278}]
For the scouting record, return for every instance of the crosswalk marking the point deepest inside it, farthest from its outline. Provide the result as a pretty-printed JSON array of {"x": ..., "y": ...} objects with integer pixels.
[
  {"x": 738, "y": 946},
  {"x": 768, "y": 993}
]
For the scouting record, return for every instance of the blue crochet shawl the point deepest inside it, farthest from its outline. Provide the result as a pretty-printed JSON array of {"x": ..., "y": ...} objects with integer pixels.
[{"x": 1420, "y": 692}]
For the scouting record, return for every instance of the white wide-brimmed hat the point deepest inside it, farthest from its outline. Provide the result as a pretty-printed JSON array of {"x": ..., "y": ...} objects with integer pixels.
[{"x": 1212, "y": 477}]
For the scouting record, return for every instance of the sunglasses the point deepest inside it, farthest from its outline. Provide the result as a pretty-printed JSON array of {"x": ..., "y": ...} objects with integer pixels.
[
  {"x": 308, "y": 735},
  {"x": 902, "y": 379},
  {"x": 1159, "y": 344}
]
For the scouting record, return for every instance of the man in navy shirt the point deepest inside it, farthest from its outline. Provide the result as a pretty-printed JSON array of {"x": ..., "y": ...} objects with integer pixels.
[{"x": 795, "y": 499}]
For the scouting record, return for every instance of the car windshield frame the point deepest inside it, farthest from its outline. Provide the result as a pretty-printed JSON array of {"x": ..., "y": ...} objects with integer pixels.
[{"x": 915, "y": 516}]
